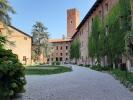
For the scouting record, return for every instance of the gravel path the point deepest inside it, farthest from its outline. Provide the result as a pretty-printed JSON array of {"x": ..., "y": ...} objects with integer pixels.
[{"x": 80, "y": 84}]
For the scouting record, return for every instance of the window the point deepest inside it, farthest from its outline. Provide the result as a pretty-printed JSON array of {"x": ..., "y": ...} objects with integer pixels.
[
  {"x": 107, "y": 6},
  {"x": 51, "y": 59},
  {"x": 60, "y": 58},
  {"x": 66, "y": 54},
  {"x": 25, "y": 38},
  {"x": 66, "y": 58},
  {"x": 56, "y": 58},
  {"x": 56, "y": 47},
  {"x": 71, "y": 22},
  {"x": 61, "y": 48},
  {"x": 56, "y": 54},
  {"x": 24, "y": 58},
  {"x": 100, "y": 14},
  {"x": 61, "y": 54},
  {"x": 92, "y": 20},
  {"x": 66, "y": 47}
]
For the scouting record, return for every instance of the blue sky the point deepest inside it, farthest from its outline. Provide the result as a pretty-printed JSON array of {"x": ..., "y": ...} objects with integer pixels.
[{"x": 51, "y": 12}]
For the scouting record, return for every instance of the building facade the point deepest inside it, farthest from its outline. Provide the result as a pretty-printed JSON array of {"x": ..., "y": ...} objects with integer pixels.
[
  {"x": 101, "y": 9},
  {"x": 61, "y": 47},
  {"x": 73, "y": 18},
  {"x": 21, "y": 43},
  {"x": 60, "y": 50}
]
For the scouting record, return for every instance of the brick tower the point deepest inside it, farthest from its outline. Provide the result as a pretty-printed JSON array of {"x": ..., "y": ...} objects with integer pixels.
[{"x": 72, "y": 21}]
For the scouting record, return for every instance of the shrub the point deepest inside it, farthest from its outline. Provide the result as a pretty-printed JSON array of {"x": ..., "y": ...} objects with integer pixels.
[
  {"x": 53, "y": 63},
  {"x": 87, "y": 65},
  {"x": 81, "y": 65},
  {"x": 12, "y": 74},
  {"x": 56, "y": 63},
  {"x": 100, "y": 68}
]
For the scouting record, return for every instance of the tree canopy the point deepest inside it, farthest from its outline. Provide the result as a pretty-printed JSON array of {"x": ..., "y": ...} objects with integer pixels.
[
  {"x": 40, "y": 40},
  {"x": 5, "y": 9}
]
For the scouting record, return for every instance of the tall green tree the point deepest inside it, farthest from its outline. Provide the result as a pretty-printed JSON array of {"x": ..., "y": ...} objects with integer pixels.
[
  {"x": 118, "y": 21},
  {"x": 40, "y": 40},
  {"x": 5, "y": 9},
  {"x": 94, "y": 43},
  {"x": 75, "y": 50}
]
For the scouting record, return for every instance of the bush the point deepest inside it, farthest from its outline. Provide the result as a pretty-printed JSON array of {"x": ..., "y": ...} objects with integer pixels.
[
  {"x": 87, "y": 66},
  {"x": 81, "y": 65},
  {"x": 100, "y": 68},
  {"x": 12, "y": 74},
  {"x": 56, "y": 63}
]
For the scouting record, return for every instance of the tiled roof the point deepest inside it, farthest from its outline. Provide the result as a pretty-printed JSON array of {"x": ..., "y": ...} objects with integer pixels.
[
  {"x": 59, "y": 40},
  {"x": 20, "y": 31},
  {"x": 96, "y": 4}
]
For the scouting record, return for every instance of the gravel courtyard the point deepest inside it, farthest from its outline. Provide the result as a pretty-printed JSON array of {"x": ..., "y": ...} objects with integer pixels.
[{"x": 80, "y": 84}]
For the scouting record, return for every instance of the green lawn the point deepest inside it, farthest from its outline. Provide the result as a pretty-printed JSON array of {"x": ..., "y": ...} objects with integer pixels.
[{"x": 46, "y": 70}]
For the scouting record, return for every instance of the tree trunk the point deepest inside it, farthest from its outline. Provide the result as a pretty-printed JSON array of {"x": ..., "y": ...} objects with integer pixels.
[
  {"x": 92, "y": 61},
  {"x": 128, "y": 64},
  {"x": 113, "y": 65}
]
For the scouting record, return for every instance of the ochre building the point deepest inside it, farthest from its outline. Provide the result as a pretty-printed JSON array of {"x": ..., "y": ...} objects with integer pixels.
[{"x": 20, "y": 43}]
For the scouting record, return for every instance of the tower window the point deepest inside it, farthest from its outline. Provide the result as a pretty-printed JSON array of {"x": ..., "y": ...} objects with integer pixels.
[{"x": 71, "y": 22}]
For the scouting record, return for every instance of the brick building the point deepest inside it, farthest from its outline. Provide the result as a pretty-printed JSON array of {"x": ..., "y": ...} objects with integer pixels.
[
  {"x": 72, "y": 21},
  {"x": 100, "y": 8},
  {"x": 60, "y": 50},
  {"x": 61, "y": 47}
]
